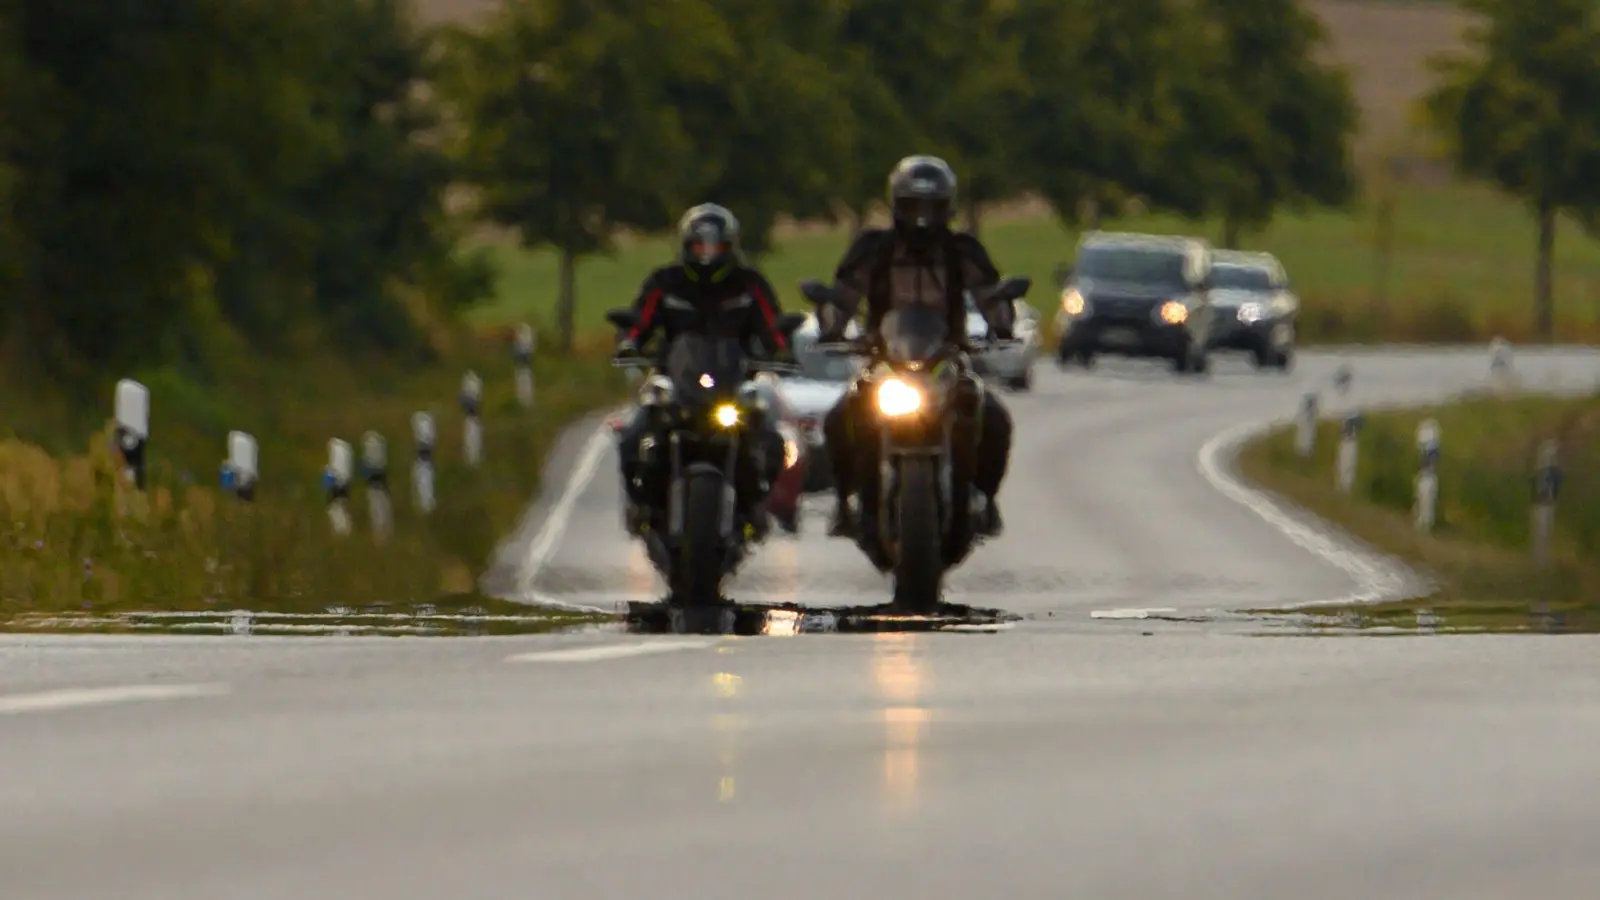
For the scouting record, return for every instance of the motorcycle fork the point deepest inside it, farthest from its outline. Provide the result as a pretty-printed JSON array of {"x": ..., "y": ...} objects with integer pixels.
[
  {"x": 675, "y": 492},
  {"x": 730, "y": 490}
]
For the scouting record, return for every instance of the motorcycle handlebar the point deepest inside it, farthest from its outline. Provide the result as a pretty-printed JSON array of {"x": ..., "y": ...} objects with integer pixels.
[{"x": 645, "y": 362}]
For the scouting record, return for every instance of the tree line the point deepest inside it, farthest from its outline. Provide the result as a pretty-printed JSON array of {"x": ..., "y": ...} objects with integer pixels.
[{"x": 179, "y": 176}]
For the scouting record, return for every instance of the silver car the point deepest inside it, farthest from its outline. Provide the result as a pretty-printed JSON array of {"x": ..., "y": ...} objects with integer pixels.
[
  {"x": 1011, "y": 365},
  {"x": 1256, "y": 310},
  {"x": 811, "y": 393}
]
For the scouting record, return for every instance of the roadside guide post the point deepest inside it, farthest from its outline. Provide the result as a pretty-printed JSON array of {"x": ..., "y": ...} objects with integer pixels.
[
  {"x": 132, "y": 413},
  {"x": 336, "y": 482},
  {"x": 1305, "y": 441},
  {"x": 1349, "y": 451},
  {"x": 1427, "y": 485},
  {"x": 239, "y": 468},
  {"x": 375, "y": 466},
  {"x": 472, "y": 405},
  {"x": 1342, "y": 377},
  {"x": 1500, "y": 363},
  {"x": 522, "y": 353},
  {"x": 1546, "y": 486},
  {"x": 422, "y": 468}
]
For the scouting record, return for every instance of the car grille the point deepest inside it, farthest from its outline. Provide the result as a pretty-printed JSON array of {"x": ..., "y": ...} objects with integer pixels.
[{"x": 1136, "y": 310}]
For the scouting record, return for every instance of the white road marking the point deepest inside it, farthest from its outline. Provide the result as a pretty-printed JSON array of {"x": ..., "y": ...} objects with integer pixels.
[
  {"x": 1375, "y": 579},
  {"x": 1129, "y": 613},
  {"x": 555, "y": 524},
  {"x": 71, "y": 698},
  {"x": 609, "y": 651}
]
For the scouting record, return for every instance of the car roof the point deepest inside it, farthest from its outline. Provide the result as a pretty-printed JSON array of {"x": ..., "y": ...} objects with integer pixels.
[
  {"x": 1251, "y": 259},
  {"x": 1196, "y": 251}
]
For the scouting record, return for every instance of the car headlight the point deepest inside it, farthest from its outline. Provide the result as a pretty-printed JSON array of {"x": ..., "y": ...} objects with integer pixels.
[
  {"x": 1250, "y": 313},
  {"x": 1174, "y": 313},
  {"x": 897, "y": 398},
  {"x": 1072, "y": 302},
  {"x": 727, "y": 415},
  {"x": 791, "y": 454}
]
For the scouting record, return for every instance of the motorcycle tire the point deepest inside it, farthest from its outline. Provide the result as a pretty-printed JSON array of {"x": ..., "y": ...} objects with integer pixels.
[
  {"x": 701, "y": 550},
  {"x": 919, "y": 566}
]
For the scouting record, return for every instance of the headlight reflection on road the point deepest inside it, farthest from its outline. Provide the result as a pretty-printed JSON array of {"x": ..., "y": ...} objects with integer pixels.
[
  {"x": 900, "y": 677},
  {"x": 727, "y": 727}
]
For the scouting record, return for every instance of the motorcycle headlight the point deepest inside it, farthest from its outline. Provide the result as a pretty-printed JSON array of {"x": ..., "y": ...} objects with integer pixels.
[
  {"x": 727, "y": 415},
  {"x": 897, "y": 398},
  {"x": 1174, "y": 313}
]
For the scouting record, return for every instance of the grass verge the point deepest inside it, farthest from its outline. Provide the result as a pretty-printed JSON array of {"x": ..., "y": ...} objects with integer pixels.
[
  {"x": 77, "y": 541},
  {"x": 1461, "y": 268},
  {"x": 1479, "y": 554}
]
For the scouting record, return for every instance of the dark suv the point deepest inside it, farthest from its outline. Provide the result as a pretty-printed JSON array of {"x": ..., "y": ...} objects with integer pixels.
[{"x": 1137, "y": 295}]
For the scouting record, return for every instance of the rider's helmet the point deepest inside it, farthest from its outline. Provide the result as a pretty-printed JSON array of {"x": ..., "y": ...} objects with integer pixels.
[
  {"x": 922, "y": 195},
  {"x": 708, "y": 238}
]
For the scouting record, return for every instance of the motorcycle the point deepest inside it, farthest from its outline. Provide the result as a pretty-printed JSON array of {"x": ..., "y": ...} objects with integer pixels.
[
  {"x": 704, "y": 404},
  {"x": 913, "y": 379}
]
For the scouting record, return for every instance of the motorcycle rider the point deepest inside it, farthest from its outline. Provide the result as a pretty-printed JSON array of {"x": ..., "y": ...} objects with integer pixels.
[
  {"x": 920, "y": 261},
  {"x": 708, "y": 290}
]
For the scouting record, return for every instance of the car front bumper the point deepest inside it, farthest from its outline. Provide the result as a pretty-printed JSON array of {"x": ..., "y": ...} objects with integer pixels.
[
  {"x": 1230, "y": 333},
  {"x": 1121, "y": 337}
]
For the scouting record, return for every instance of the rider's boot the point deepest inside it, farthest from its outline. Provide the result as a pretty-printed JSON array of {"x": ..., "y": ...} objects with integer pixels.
[
  {"x": 843, "y": 523},
  {"x": 986, "y": 519}
]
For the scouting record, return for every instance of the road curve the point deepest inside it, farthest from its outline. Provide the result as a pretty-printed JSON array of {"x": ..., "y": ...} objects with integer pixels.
[{"x": 1069, "y": 757}]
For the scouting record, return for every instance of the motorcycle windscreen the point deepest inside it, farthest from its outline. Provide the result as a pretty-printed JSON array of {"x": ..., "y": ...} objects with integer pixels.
[
  {"x": 915, "y": 334},
  {"x": 704, "y": 368}
]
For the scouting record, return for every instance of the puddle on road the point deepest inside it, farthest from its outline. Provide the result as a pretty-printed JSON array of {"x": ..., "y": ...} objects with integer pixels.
[
  {"x": 1427, "y": 620},
  {"x": 753, "y": 620},
  {"x": 420, "y": 621}
]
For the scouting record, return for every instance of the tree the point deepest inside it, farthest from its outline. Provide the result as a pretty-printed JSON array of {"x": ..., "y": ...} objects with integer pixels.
[
  {"x": 1102, "y": 103},
  {"x": 1266, "y": 125},
  {"x": 943, "y": 78},
  {"x": 568, "y": 129},
  {"x": 774, "y": 132},
  {"x": 1517, "y": 108}
]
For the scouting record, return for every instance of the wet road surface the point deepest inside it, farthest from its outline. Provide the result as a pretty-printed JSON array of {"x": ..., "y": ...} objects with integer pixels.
[{"x": 1066, "y": 757}]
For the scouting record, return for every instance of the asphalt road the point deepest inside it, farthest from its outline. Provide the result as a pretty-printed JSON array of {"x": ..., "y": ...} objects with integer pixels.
[{"x": 1068, "y": 757}]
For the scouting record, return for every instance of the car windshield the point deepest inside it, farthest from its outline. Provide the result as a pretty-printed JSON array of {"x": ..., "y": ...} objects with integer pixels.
[
  {"x": 1241, "y": 278},
  {"x": 1147, "y": 265}
]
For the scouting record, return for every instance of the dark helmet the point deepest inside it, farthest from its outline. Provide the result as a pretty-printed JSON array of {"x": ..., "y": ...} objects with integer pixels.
[
  {"x": 922, "y": 194},
  {"x": 709, "y": 242}
]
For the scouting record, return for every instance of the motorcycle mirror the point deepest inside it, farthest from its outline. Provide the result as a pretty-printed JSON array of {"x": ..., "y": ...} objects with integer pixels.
[
  {"x": 789, "y": 323},
  {"x": 622, "y": 318},
  {"x": 815, "y": 291},
  {"x": 1013, "y": 288}
]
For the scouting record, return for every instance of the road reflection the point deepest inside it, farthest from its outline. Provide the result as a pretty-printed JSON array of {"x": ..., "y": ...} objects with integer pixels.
[{"x": 902, "y": 679}]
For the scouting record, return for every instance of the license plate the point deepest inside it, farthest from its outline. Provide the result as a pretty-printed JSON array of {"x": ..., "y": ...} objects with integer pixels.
[{"x": 1120, "y": 337}]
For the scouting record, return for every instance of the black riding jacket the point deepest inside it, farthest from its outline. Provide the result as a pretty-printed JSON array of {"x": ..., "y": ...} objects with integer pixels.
[
  {"x": 740, "y": 305},
  {"x": 892, "y": 273}
]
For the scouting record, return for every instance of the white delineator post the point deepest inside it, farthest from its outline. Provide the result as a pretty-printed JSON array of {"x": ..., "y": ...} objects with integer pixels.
[
  {"x": 1427, "y": 484},
  {"x": 422, "y": 467},
  {"x": 1305, "y": 441},
  {"x": 1500, "y": 363},
  {"x": 1349, "y": 451},
  {"x": 239, "y": 469},
  {"x": 336, "y": 481},
  {"x": 1342, "y": 378},
  {"x": 1546, "y": 487},
  {"x": 131, "y": 409},
  {"x": 472, "y": 405},
  {"x": 375, "y": 463},
  {"x": 522, "y": 355}
]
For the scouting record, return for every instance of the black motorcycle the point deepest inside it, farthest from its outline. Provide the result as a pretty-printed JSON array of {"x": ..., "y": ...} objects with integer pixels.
[
  {"x": 706, "y": 412},
  {"x": 916, "y": 407}
]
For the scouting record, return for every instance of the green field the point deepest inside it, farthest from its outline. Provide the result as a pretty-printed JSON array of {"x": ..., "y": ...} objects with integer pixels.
[
  {"x": 1480, "y": 550},
  {"x": 1462, "y": 269}
]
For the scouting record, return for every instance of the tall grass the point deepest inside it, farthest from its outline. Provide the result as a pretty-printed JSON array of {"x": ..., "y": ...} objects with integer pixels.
[{"x": 76, "y": 537}]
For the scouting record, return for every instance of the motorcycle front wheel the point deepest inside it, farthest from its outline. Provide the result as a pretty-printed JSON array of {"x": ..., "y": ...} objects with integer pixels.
[
  {"x": 701, "y": 552},
  {"x": 919, "y": 566}
]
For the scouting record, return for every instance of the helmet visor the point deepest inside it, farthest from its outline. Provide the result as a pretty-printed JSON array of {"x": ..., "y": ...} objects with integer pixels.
[
  {"x": 707, "y": 251},
  {"x": 922, "y": 212}
]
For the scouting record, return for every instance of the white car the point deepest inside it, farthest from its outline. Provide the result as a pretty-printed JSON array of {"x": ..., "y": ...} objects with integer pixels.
[
  {"x": 1012, "y": 365},
  {"x": 810, "y": 394}
]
